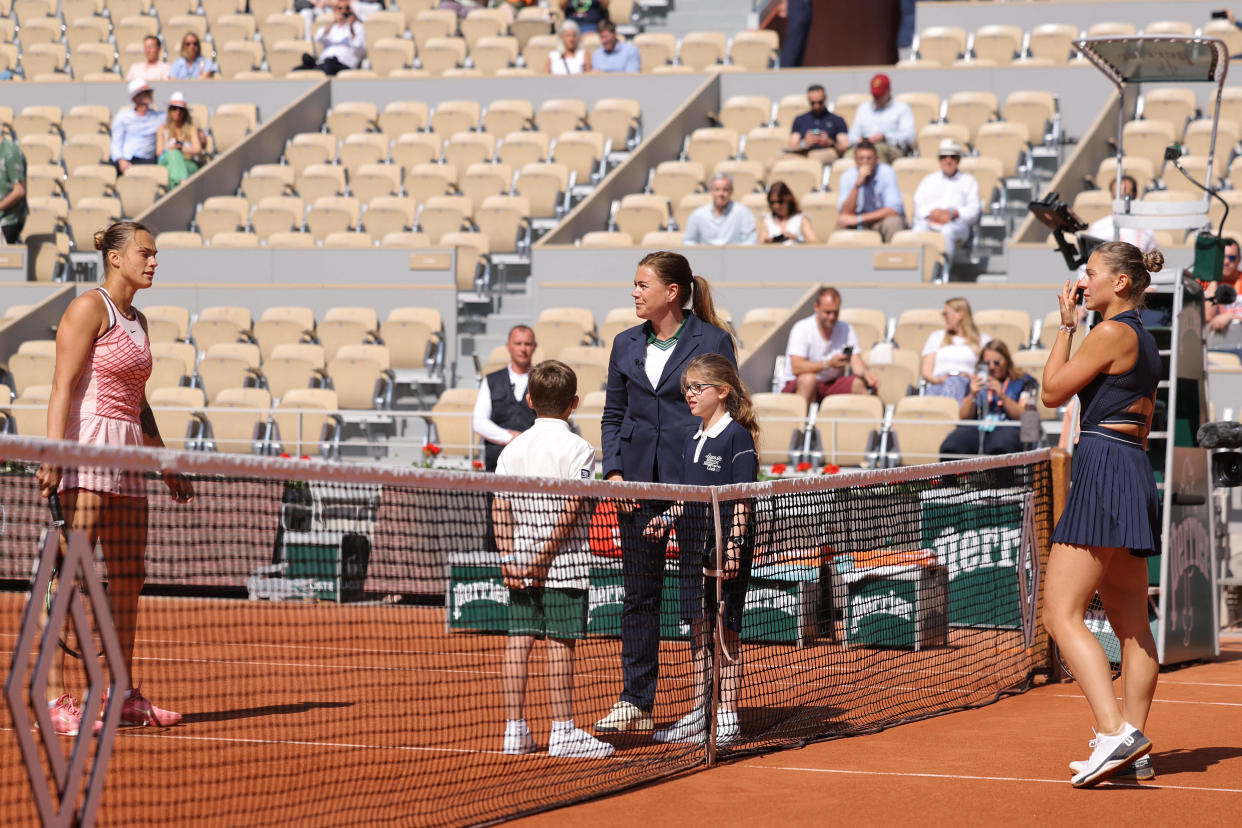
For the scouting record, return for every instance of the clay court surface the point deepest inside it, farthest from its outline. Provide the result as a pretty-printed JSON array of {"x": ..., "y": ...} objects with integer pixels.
[
  {"x": 998, "y": 765},
  {"x": 377, "y": 716}
]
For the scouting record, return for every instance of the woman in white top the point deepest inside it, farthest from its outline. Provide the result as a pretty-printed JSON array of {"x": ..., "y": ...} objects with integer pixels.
[
  {"x": 950, "y": 356},
  {"x": 571, "y": 58},
  {"x": 341, "y": 45},
  {"x": 785, "y": 224}
]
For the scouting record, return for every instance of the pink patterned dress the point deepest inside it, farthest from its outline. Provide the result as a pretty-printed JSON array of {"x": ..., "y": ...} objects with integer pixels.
[{"x": 104, "y": 405}]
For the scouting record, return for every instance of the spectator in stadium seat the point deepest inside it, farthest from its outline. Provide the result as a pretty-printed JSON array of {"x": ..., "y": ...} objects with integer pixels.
[
  {"x": 1104, "y": 228},
  {"x": 1219, "y": 318},
  {"x": 512, "y": 7},
  {"x": 869, "y": 198},
  {"x": 570, "y": 58},
  {"x": 13, "y": 207},
  {"x": 785, "y": 223},
  {"x": 885, "y": 122},
  {"x": 500, "y": 411},
  {"x": 950, "y": 355},
  {"x": 193, "y": 63},
  {"x": 103, "y": 361},
  {"x": 586, "y": 13},
  {"x": 614, "y": 54},
  {"x": 150, "y": 68},
  {"x": 823, "y": 135},
  {"x": 948, "y": 201},
  {"x": 823, "y": 356},
  {"x": 1000, "y": 394},
  {"x": 545, "y": 559},
  {"x": 341, "y": 45},
  {"x": 178, "y": 142},
  {"x": 645, "y": 425},
  {"x": 722, "y": 220},
  {"x": 134, "y": 129}
]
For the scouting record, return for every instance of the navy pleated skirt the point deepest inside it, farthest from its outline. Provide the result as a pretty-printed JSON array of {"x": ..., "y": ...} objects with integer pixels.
[{"x": 1112, "y": 498}]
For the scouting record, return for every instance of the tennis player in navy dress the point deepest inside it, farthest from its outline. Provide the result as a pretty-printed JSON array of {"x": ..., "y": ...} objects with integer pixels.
[
  {"x": 1111, "y": 520},
  {"x": 720, "y": 453}
]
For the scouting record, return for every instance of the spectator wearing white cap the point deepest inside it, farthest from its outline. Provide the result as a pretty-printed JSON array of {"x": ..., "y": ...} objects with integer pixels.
[
  {"x": 178, "y": 142},
  {"x": 151, "y": 67},
  {"x": 134, "y": 129},
  {"x": 948, "y": 201}
]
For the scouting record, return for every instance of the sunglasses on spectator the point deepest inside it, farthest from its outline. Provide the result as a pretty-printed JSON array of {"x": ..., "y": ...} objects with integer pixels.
[
  {"x": 994, "y": 362},
  {"x": 1232, "y": 258}
]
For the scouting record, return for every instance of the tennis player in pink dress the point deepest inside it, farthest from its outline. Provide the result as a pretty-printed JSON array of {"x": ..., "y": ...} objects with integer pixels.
[{"x": 103, "y": 361}]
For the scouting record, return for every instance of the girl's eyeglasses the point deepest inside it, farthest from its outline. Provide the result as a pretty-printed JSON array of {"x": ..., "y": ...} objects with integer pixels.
[{"x": 694, "y": 389}]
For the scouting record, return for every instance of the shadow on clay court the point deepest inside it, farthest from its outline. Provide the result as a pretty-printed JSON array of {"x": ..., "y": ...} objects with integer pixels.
[
  {"x": 1197, "y": 760},
  {"x": 255, "y": 712}
]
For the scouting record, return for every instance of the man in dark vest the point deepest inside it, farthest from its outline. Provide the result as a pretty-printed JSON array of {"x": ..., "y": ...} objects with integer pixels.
[{"x": 501, "y": 412}]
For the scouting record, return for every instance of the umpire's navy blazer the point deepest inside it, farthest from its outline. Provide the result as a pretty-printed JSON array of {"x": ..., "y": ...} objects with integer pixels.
[{"x": 641, "y": 423}]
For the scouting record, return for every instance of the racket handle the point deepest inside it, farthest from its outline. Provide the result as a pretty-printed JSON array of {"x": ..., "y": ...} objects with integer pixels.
[{"x": 58, "y": 517}]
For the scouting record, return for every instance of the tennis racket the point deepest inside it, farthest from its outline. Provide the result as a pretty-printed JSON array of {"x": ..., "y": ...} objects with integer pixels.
[
  {"x": 1097, "y": 623},
  {"x": 67, "y": 640}
]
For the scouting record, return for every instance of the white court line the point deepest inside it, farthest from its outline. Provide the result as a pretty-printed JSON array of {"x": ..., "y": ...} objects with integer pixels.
[
  {"x": 1165, "y": 701},
  {"x": 1163, "y": 682},
  {"x": 969, "y": 778}
]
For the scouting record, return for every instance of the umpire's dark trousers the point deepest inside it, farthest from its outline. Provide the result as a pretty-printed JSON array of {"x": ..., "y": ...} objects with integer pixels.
[{"x": 642, "y": 567}]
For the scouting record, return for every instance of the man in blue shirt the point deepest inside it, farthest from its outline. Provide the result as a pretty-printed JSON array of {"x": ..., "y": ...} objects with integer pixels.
[
  {"x": 822, "y": 134},
  {"x": 869, "y": 197},
  {"x": 722, "y": 221},
  {"x": 614, "y": 54},
  {"x": 887, "y": 123},
  {"x": 134, "y": 129}
]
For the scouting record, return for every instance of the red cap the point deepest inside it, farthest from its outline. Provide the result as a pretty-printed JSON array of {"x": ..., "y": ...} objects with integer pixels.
[{"x": 879, "y": 86}]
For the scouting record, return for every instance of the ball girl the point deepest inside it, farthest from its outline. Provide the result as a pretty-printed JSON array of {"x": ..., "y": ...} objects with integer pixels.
[
  {"x": 721, "y": 452},
  {"x": 1110, "y": 524}
]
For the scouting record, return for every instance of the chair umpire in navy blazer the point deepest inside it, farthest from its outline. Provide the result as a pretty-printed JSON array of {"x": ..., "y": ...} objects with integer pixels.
[{"x": 644, "y": 432}]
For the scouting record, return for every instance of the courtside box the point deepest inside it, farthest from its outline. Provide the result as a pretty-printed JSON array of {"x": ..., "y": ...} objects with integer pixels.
[
  {"x": 895, "y": 599},
  {"x": 326, "y": 533},
  {"x": 977, "y": 535},
  {"x": 782, "y": 601}
]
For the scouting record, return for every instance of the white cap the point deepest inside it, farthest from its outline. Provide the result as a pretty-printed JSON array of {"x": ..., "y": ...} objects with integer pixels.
[
  {"x": 138, "y": 86},
  {"x": 177, "y": 99},
  {"x": 950, "y": 147}
]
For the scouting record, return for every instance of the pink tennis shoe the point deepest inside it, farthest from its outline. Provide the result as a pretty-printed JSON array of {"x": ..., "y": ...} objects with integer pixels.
[
  {"x": 138, "y": 711},
  {"x": 67, "y": 718}
]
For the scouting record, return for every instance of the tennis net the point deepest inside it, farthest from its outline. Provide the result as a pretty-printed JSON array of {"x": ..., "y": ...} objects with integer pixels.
[{"x": 337, "y": 637}]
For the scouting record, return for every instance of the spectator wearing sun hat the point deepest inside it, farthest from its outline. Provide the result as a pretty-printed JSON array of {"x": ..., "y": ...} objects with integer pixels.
[
  {"x": 948, "y": 200},
  {"x": 886, "y": 123},
  {"x": 134, "y": 129}
]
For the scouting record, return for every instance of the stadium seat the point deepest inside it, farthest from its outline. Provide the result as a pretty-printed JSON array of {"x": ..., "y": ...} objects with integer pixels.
[
  {"x": 998, "y": 43},
  {"x": 316, "y": 180},
  {"x": 264, "y": 180},
  {"x": 618, "y": 119},
  {"x": 916, "y": 427},
  {"x": 755, "y": 49},
  {"x": 491, "y": 55},
  {"x": 1181, "y": 28},
  {"x": 452, "y": 117},
  {"x": 277, "y": 214},
  {"x": 178, "y": 240},
  {"x": 1052, "y": 41},
  {"x": 508, "y": 115},
  {"x": 897, "y": 375},
  {"x": 505, "y": 221},
  {"x": 520, "y": 148},
  {"x": 559, "y": 115},
  {"x": 855, "y": 238},
  {"x": 90, "y": 214},
  {"x": 972, "y": 110},
  {"x": 1011, "y": 326},
  {"x": 536, "y": 50},
  {"x": 84, "y": 150},
  {"x": 914, "y": 325},
  {"x": 284, "y": 56},
  {"x": 820, "y": 208},
  {"x": 451, "y": 417},
  {"x": 178, "y": 413},
  {"x": 308, "y": 148},
  {"x": 748, "y": 176},
  {"x": 583, "y": 152},
  {"x": 1148, "y": 139},
  {"x": 932, "y": 244},
  {"x": 1175, "y": 105},
  {"x": 606, "y": 239},
  {"x": 438, "y": 55},
  {"x": 140, "y": 186},
  {"x": 349, "y": 117},
  {"x": 272, "y": 332},
  {"x": 590, "y": 364},
  {"x": 241, "y": 239},
  {"x": 655, "y": 49},
  {"x": 332, "y": 214},
  {"x": 588, "y": 416},
  {"x": 306, "y": 421},
  {"x": 237, "y": 420},
  {"x": 800, "y": 175},
  {"x": 288, "y": 368},
  {"x": 941, "y": 44},
  {"x": 175, "y": 315},
  {"x": 641, "y": 213},
  {"x": 930, "y": 136},
  {"x": 237, "y": 56},
  {"x": 846, "y": 424},
  {"x": 1228, "y": 32},
  {"x": 1198, "y": 140},
  {"x": 782, "y": 419},
  {"x": 711, "y": 145},
  {"x": 1090, "y": 205},
  {"x": 1005, "y": 140},
  {"x": 701, "y": 50}
]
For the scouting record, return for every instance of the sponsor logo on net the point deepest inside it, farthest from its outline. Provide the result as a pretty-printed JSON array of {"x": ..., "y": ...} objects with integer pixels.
[{"x": 972, "y": 549}]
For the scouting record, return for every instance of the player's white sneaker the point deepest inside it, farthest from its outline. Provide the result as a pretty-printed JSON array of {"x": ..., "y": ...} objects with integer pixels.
[
  {"x": 518, "y": 742},
  {"x": 1140, "y": 771},
  {"x": 577, "y": 743},
  {"x": 689, "y": 728},
  {"x": 1111, "y": 754}
]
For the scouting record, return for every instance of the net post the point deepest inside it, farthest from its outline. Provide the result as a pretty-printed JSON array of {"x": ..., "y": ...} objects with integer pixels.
[
  {"x": 710, "y": 753},
  {"x": 1061, "y": 472}
]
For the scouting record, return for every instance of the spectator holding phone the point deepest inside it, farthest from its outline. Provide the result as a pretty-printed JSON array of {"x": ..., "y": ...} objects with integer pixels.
[
  {"x": 999, "y": 391},
  {"x": 822, "y": 357},
  {"x": 823, "y": 135},
  {"x": 341, "y": 45},
  {"x": 785, "y": 224}
]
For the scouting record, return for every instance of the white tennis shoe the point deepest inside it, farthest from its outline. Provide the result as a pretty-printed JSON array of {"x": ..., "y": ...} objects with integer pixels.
[{"x": 1112, "y": 754}]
